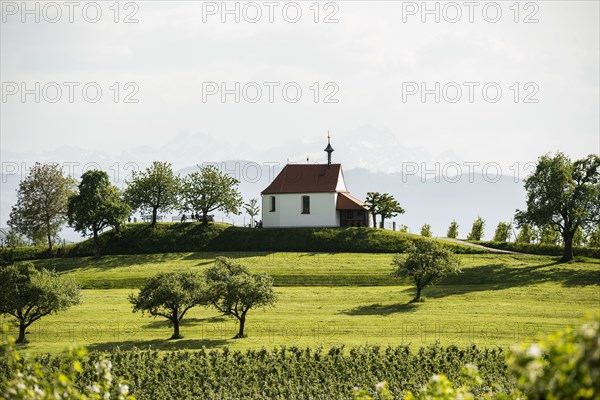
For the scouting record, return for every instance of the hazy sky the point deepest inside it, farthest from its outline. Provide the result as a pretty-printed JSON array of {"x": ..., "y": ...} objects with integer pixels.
[{"x": 179, "y": 53}]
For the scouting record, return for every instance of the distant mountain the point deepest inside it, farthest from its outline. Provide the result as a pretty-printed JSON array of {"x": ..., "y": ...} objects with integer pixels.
[{"x": 435, "y": 201}]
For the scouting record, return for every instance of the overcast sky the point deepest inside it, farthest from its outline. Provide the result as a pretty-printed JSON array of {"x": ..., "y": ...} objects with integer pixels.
[{"x": 368, "y": 61}]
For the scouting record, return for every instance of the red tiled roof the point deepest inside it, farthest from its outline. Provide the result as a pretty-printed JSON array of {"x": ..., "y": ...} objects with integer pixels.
[
  {"x": 305, "y": 178},
  {"x": 347, "y": 202}
]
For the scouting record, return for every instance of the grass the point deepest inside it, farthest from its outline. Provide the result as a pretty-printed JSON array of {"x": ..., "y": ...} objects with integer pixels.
[{"x": 330, "y": 299}]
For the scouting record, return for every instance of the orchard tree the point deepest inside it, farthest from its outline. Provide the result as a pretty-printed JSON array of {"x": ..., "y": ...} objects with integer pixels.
[
  {"x": 252, "y": 210},
  {"x": 97, "y": 206},
  {"x": 170, "y": 295},
  {"x": 234, "y": 291},
  {"x": 426, "y": 263},
  {"x": 526, "y": 234},
  {"x": 382, "y": 204},
  {"x": 563, "y": 194},
  {"x": 426, "y": 230},
  {"x": 477, "y": 229},
  {"x": 372, "y": 202},
  {"x": 452, "y": 230},
  {"x": 41, "y": 208},
  {"x": 156, "y": 189},
  {"x": 502, "y": 233},
  {"x": 28, "y": 294},
  {"x": 208, "y": 190}
]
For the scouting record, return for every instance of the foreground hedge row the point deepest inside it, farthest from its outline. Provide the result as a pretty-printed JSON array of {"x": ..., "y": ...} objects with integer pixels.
[
  {"x": 140, "y": 238},
  {"x": 542, "y": 249},
  {"x": 284, "y": 373}
]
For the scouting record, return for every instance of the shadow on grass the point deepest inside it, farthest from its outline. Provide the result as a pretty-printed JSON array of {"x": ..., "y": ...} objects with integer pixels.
[
  {"x": 381, "y": 309},
  {"x": 163, "y": 323},
  {"x": 158, "y": 344}
]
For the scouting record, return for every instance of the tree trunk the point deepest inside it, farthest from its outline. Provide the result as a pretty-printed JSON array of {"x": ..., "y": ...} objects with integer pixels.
[
  {"x": 242, "y": 320},
  {"x": 374, "y": 219},
  {"x": 417, "y": 296},
  {"x": 204, "y": 217},
  {"x": 568, "y": 249},
  {"x": 49, "y": 240},
  {"x": 382, "y": 222},
  {"x": 96, "y": 245},
  {"x": 176, "y": 334},
  {"x": 22, "y": 327},
  {"x": 154, "y": 210}
]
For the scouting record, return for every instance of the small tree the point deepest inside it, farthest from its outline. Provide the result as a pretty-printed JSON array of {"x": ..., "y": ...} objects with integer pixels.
[
  {"x": 28, "y": 294},
  {"x": 170, "y": 295},
  {"x": 372, "y": 202},
  {"x": 564, "y": 195},
  {"x": 233, "y": 290},
  {"x": 388, "y": 208},
  {"x": 579, "y": 238},
  {"x": 502, "y": 233},
  {"x": 154, "y": 190},
  {"x": 13, "y": 239},
  {"x": 426, "y": 230},
  {"x": 252, "y": 210},
  {"x": 526, "y": 234},
  {"x": 208, "y": 190},
  {"x": 594, "y": 238},
  {"x": 96, "y": 206},
  {"x": 452, "y": 230},
  {"x": 426, "y": 263},
  {"x": 403, "y": 228},
  {"x": 477, "y": 229},
  {"x": 41, "y": 208},
  {"x": 549, "y": 235}
]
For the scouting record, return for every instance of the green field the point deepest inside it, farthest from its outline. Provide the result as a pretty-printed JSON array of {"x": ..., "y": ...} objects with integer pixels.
[{"x": 330, "y": 299}]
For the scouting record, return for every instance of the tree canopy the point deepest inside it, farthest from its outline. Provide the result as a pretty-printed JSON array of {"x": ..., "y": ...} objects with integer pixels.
[
  {"x": 425, "y": 263},
  {"x": 233, "y": 290},
  {"x": 452, "y": 230},
  {"x": 153, "y": 190},
  {"x": 208, "y": 190},
  {"x": 96, "y": 207},
  {"x": 170, "y": 295},
  {"x": 564, "y": 195},
  {"x": 41, "y": 207},
  {"x": 384, "y": 205},
  {"x": 477, "y": 229},
  {"x": 28, "y": 294}
]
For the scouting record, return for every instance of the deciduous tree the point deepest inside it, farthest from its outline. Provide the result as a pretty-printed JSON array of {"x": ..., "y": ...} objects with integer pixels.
[
  {"x": 564, "y": 195},
  {"x": 502, "y": 233},
  {"x": 452, "y": 230},
  {"x": 28, "y": 294},
  {"x": 477, "y": 229},
  {"x": 170, "y": 295},
  {"x": 526, "y": 234},
  {"x": 41, "y": 207},
  {"x": 97, "y": 206},
  {"x": 252, "y": 209},
  {"x": 426, "y": 230}
]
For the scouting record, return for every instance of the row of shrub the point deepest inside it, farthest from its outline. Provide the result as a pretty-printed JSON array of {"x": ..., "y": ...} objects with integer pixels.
[
  {"x": 140, "y": 238},
  {"x": 541, "y": 249}
]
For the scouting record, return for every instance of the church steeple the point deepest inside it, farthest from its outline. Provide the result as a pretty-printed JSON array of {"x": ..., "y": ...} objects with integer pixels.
[{"x": 328, "y": 149}]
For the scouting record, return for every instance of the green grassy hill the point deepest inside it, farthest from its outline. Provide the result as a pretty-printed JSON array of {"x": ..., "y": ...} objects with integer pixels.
[{"x": 141, "y": 238}]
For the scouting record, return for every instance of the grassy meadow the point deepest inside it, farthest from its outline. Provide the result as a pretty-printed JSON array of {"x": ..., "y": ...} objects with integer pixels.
[{"x": 327, "y": 299}]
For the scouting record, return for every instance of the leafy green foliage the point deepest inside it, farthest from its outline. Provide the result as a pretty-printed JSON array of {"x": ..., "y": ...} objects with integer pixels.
[
  {"x": 208, "y": 190},
  {"x": 154, "y": 190},
  {"x": 252, "y": 209},
  {"x": 97, "y": 206},
  {"x": 564, "y": 195},
  {"x": 41, "y": 207},
  {"x": 13, "y": 239},
  {"x": 170, "y": 295},
  {"x": 549, "y": 235},
  {"x": 503, "y": 231},
  {"x": 382, "y": 204},
  {"x": 526, "y": 234},
  {"x": 426, "y": 263},
  {"x": 594, "y": 237},
  {"x": 452, "y": 230},
  {"x": 33, "y": 380},
  {"x": 234, "y": 290},
  {"x": 477, "y": 229},
  {"x": 426, "y": 230},
  {"x": 579, "y": 238},
  {"x": 28, "y": 294}
]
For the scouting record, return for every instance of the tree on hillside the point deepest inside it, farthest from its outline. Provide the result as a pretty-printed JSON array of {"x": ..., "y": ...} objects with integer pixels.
[
  {"x": 403, "y": 228},
  {"x": 426, "y": 230},
  {"x": 208, "y": 190},
  {"x": 426, "y": 263},
  {"x": 452, "y": 230},
  {"x": 563, "y": 194},
  {"x": 170, "y": 295},
  {"x": 13, "y": 239},
  {"x": 477, "y": 229},
  {"x": 96, "y": 206},
  {"x": 41, "y": 207},
  {"x": 388, "y": 208},
  {"x": 28, "y": 294},
  {"x": 580, "y": 238},
  {"x": 234, "y": 291},
  {"x": 502, "y": 233},
  {"x": 252, "y": 209},
  {"x": 372, "y": 202},
  {"x": 549, "y": 235},
  {"x": 153, "y": 190},
  {"x": 594, "y": 238},
  {"x": 526, "y": 234}
]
